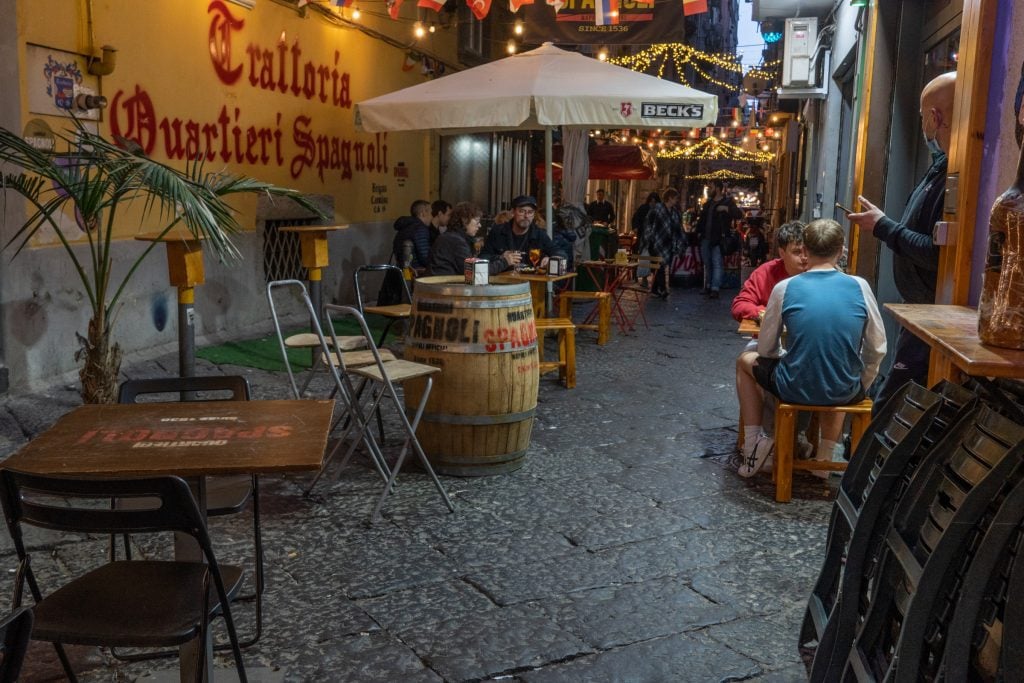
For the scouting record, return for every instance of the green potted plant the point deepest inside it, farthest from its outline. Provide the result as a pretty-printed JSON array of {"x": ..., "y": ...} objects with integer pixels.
[{"x": 92, "y": 179}]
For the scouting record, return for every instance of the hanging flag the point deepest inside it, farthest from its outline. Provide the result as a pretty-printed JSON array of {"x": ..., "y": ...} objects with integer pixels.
[
  {"x": 303, "y": 3},
  {"x": 514, "y": 5},
  {"x": 694, "y": 7},
  {"x": 644, "y": 2},
  {"x": 557, "y": 4},
  {"x": 343, "y": 3},
  {"x": 430, "y": 4},
  {"x": 393, "y": 8},
  {"x": 480, "y": 8},
  {"x": 606, "y": 12}
]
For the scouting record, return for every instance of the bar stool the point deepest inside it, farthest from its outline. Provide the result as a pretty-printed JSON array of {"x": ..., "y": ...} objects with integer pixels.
[{"x": 785, "y": 436}]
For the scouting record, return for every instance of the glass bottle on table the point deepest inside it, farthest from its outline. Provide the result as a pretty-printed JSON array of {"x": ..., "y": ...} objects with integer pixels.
[{"x": 535, "y": 256}]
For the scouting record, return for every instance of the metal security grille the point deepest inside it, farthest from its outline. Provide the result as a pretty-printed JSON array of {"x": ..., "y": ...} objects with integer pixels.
[{"x": 281, "y": 257}]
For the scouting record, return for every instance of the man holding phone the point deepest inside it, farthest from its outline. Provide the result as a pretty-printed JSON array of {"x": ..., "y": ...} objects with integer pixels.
[{"x": 915, "y": 255}]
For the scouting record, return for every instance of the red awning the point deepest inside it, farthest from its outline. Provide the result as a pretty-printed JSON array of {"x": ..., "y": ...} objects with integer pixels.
[{"x": 608, "y": 162}]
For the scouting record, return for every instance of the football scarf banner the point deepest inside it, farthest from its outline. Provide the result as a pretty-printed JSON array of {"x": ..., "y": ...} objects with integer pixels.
[{"x": 626, "y": 22}]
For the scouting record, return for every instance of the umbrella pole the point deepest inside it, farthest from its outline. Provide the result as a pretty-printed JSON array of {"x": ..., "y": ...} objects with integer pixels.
[{"x": 548, "y": 215}]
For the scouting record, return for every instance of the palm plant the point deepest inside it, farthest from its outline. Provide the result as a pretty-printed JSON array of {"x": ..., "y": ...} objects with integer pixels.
[{"x": 91, "y": 181}]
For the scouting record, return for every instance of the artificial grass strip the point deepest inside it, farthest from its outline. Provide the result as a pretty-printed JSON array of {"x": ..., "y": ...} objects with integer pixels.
[{"x": 265, "y": 353}]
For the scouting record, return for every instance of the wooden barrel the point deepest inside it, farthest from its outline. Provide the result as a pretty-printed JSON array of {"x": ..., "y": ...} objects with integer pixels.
[{"x": 480, "y": 411}]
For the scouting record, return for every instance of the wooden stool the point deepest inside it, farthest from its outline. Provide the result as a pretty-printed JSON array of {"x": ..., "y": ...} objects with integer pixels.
[
  {"x": 566, "y": 363},
  {"x": 785, "y": 434},
  {"x": 604, "y": 312}
]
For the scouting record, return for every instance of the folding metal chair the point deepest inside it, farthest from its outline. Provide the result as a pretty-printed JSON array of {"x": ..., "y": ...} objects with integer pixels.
[
  {"x": 128, "y": 603},
  {"x": 15, "y": 634},
  {"x": 342, "y": 391},
  {"x": 392, "y": 312},
  {"x": 224, "y": 495},
  {"x": 383, "y": 376},
  {"x": 304, "y": 340}
]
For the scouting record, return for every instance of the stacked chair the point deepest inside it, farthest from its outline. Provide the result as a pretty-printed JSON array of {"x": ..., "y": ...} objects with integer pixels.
[{"x": 920, "y": 580}]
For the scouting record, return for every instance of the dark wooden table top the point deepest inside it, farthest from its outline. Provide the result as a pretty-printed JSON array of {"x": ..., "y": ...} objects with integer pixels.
[
  {"x": 953, "y": 331},
  {"x": 188, "y": 439}
]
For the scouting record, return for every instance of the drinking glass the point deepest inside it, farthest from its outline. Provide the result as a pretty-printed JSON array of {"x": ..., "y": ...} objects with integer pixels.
[{"x": 535, "y": 257}]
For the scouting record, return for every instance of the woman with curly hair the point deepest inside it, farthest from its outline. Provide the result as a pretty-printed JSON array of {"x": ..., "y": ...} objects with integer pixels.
[{"x": 455, "y": 245}]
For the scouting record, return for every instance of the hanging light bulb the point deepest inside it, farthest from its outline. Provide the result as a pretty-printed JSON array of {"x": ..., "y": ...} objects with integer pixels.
[
  {"x": 432, "y": 28},
  {"x": 511, "y": 47},
  {"x": 418, "y": 30},
  {"x": 518, "y": 29},
  {"x": 603, "y": 54},
  {"x": 356, "y": 14}
]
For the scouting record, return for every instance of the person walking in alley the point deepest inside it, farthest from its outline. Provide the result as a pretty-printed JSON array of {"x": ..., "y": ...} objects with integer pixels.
[
  {"x": 915, "y": 255},
  {"x": 835, "y": 343},
  {"x": 713, "y": 228},
  {"x": 663, "y": 221}
]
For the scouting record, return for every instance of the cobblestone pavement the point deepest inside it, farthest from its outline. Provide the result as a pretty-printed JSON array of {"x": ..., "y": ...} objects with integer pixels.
[{"x": 627, "y": 549}]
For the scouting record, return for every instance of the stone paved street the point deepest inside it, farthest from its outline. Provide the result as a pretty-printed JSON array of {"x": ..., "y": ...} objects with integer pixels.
[{"x": 627, "y": 549}]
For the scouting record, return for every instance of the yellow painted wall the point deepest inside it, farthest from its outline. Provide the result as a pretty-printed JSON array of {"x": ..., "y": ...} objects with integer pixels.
[{"x": 207, "y": 76}]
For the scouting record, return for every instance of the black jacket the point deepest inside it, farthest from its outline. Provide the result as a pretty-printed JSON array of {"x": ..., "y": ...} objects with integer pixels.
[
  {"x": 500, "y": 239},
  {"x": 412, "y": 229},
  {"x": 717, "y": 228},
  {"x": 915, "y": 262},
  {"x": 450, "y": 251}
]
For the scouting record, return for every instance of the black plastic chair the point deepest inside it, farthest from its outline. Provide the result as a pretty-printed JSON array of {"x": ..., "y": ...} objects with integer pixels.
[
  {"x": 393, "y": 312},
  {"x": 15, "y": 632},
  {"x": 127, "y": 603},
  {"x": 935, "y": 533},
  {"x": 900, "y": 438},
  {"x": 224, "y": 495}
]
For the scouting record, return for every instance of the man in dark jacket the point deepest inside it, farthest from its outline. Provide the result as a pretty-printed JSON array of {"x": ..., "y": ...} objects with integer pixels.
[
  {"x": 513, "y": 241},
  {"x": 601, "y": 210},
  {"x": 915, "y": 260},
  {"x": 713, "y": 228},
  {"x": 413, "y": 228}
]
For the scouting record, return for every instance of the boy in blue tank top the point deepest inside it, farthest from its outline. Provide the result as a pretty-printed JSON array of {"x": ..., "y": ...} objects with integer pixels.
[{"x": 835, "y": 342}]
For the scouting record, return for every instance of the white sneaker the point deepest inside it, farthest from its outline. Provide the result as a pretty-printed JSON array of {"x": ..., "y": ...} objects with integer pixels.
[
  {"x": 804, "y": 448},
  {"x": 759, "y": 454}
]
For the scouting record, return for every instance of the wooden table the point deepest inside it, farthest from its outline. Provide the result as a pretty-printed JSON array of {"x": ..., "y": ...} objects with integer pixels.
[
  {"x": 952, "y": 334},
  {"x": 190, "y": 439},
  {"x": 748, "y": 326},
  {"x": 539, "y": 288}
]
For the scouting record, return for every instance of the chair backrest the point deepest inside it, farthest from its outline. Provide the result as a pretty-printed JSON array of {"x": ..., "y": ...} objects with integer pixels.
[
  {"x": 393, "y": 277},
  {"x": 349, "y": 311},
  {"x": 235, "y": 386},
  {"x": 64, "y": 504},
  {"x": 15, "y": 632}
]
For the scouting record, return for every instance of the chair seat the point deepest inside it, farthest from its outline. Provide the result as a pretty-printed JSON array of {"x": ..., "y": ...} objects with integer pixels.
[
  {"x": 308, "y": 340},
  {"x": 355, "y": 359},
  {"x": 397, "y": 370},
  {"x": 137, "y": 603},
  {"x": 227, "y": 495},
  {"x": 392, "y": 311}
]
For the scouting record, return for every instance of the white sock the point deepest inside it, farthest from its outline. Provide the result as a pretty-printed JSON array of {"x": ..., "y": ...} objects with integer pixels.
[
  {"x": 750, "y": 435},
  {"x": 825, "y": 449}
]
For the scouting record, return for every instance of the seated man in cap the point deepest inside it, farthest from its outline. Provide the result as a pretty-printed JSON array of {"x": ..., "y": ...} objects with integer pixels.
[{"x": 511, "y": 242}]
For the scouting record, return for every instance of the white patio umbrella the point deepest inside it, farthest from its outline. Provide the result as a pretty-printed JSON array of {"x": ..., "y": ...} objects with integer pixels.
[{"x": 539, "y": 89}]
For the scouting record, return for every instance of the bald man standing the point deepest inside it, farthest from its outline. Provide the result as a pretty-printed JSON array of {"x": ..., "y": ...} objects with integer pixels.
[{"x": 915, "y": 255}]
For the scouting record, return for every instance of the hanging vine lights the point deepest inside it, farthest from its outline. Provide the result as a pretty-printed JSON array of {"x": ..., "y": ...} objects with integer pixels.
[
  {"x": 658, "y": 56},
  {"x": 722, "y": 174},
  {"x": 712, "y": 148}
]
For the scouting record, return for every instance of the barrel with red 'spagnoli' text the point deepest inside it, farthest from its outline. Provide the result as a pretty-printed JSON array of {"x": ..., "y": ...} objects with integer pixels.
[{"x": 480, "y": 412}]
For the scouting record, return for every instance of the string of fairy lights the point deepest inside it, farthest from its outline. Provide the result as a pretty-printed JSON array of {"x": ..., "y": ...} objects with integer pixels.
[
  {"x": 656, "y": 58},
  {"x": 721, "y": 174},
  {"x": 713, "y": 149}
]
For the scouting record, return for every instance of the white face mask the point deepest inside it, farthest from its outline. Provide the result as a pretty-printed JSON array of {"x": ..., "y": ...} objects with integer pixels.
[{"x": 931, "y": 142}]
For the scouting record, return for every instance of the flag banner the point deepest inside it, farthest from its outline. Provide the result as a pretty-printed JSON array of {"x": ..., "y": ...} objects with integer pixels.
[
  {"x": 479, "y": 8},
  {"x": 394, "y": 7},
  {"x": 430, "y": 4},
  {"x": 343, "y": 3},
  {"x": 514, "y": 5},
  {"x": 694, "y": 7},
  {"x": 606, "y": 12},
  {"x": 575, "y": 22}
]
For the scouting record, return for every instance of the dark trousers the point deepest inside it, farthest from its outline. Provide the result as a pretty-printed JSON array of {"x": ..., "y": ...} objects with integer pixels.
[
  {"x": 659, "y": 280},
  {"x": 909, "y": 362}
]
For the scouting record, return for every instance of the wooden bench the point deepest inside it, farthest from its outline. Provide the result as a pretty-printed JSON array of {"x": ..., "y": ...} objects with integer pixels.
[
  {"x": 604, "y": 312},
  {"x": 566, "y": 363},
  {"x": 785, "y": 435}
]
